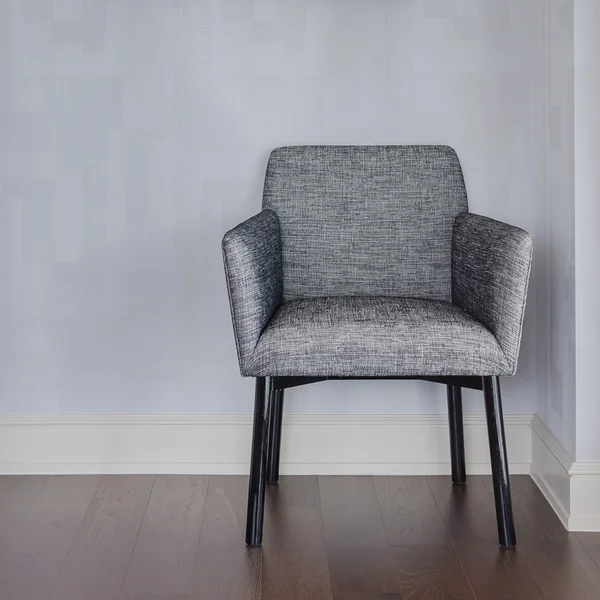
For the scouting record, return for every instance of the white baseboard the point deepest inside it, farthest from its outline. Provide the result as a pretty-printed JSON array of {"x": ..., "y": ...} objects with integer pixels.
[
  {"x": 571, "y": 488},
  {"x": 548, "y": 470},
  {"x": 312, "y": 444},
  {"x": 585, "y": 496}
]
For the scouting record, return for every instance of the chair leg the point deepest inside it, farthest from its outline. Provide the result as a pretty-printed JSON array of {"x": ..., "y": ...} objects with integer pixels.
[
  {"x": 500, "y": 475},
  {"x": 457, "y": 440},
  {"x": 274, "y": 447},
  {"x": 258, "y": 463}
]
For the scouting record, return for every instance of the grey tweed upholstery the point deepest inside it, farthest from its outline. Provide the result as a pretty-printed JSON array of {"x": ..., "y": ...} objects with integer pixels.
[
  {"x": 365, "y": 220},
  {"x": 365, "y": 262},
  {"x": 252, "y": 257},
  {"x": 375, "y": 336},
  {"x": 491, "y": 262}
]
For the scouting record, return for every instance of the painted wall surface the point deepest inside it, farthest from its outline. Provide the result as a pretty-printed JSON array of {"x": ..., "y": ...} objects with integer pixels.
[
  {"x": 587, "y": 221},
  {"x": 135, "y": 133},
  {"x": 569, "y": 321},
  {"x": 556, "y": 249}
]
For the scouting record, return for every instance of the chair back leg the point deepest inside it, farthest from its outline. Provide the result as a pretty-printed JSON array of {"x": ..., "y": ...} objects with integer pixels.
[
  {"x": 258, "y": 462},
  {"x": 499, "y": 460},
  {"x": 274, "y": 433},
  {"x": 457, "y": 439}
]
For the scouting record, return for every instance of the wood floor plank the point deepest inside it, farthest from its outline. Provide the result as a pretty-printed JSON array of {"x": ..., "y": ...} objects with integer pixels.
[
  {"x": 33, "y": 561},
  {"x": 535, "y": 520},
  {"x": 17, "y": 495},
  {"x": 225, "y": 569},
  {"x": 324, "y": 539},
  {"x": 431, "y": 572},
  {"x": 164, "y": 556},
  {"x": 97, "y": 562},
  {"x": 409, "y": 512},
  {"x": 467, "y": 510},
  {"x": 293, "y": 513},
  {"x": 563, "y": 567},
  {"x": 358, "y": 552},
  {"x": 224, "y": 520},
  {"x": 365, "y": 570},
  {"x": 564, "y": 570},
  {"x": 228, "y": 574},
  {"x": 165, "y": 597},
  {"x": 294, "y": 562},
  {"x": 355, "y": 596},
  {"x": 351, "y": 515},
  {"x": 295, "y": 574},
  {"x": 498, "y": 574},
  {"x": 591, "y": 542}
]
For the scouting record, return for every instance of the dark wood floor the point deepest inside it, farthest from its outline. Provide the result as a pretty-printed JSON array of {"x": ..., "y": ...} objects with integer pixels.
[{"x": 341, "y": 538}]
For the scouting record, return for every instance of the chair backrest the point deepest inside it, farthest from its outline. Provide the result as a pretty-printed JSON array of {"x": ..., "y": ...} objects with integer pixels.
[{"x": 366, "y": 220}]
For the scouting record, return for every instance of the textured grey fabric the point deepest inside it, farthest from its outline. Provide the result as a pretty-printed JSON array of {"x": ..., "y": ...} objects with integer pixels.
[
  {"x": 491, "y": 262},
  {"x": 252, "y": 258},
  {"x": 353, "y": 271},
  {"x": 366, "y": 220},
  {"x": 375, "y": 336}
]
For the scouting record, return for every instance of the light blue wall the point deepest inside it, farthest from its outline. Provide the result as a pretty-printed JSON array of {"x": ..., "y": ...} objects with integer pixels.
[
  {"x": 556, "y": 313},
  {"x": 587, "y": 218},
  {"x": 133, "y": 133}
]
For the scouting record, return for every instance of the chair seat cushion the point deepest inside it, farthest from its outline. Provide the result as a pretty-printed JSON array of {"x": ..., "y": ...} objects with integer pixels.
[{"x": 375, "y": 337}]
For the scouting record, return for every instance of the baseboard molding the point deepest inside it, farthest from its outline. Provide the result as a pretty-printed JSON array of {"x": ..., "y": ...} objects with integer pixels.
[
  {"x": 312, "y": 444},
  {"x": 571, "y": 488},
  {"x": 585, "y": 496},
  {"x": 548, "y": 469}
]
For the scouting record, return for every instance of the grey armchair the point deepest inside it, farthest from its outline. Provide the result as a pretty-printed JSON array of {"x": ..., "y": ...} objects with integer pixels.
[{"x": 365, "y": 263}]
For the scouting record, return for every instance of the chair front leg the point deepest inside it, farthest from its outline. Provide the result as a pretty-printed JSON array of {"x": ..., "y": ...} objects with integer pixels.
[
  {"x": 457, "y": 439},
  {"x": 274, "y": 446},
  {"x": 258, "y": 462},
  {"x": 500, "y": 474}
]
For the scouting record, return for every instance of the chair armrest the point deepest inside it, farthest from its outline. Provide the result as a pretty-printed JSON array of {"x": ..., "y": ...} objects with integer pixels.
[
  {"x": 252, "y": 259},
  {"x": 491, "y": 262}
]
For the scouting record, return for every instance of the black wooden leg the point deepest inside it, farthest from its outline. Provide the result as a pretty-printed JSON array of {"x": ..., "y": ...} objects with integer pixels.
[
  {"x": 457, "y": 440},
  {"x": 258, "y": 460},
  {"x": 275, "y": 422},
  {"x": 495, "y": 425}
]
